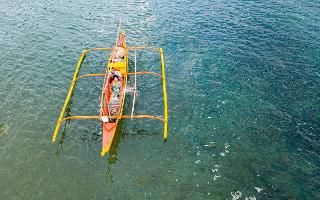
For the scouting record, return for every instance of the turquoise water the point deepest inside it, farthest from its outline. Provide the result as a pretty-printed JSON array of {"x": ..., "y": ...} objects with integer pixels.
[{"x": 243, "y": 87}]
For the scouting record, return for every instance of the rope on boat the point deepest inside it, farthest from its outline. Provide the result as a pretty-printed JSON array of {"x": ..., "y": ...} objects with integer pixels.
[{"x": 135, "y": 82}]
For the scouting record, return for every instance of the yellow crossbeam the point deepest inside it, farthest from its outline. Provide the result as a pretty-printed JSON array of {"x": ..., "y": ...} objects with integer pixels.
[
  {"x": 114, "y": 117},
  {"x": 142, "y": 73},
  {"x": 101, "y": 49},
  {"x": 142, "y": 48},
  {"x": 55, "y": 133},
  {"x": 130, "y": 73},
  {"x": 129, "y": 48}
]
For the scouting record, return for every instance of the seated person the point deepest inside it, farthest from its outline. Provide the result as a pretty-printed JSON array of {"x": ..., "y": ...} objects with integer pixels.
[
  {"x": 115, "y": 86},
  {"x": 114, "y": 103},
  {"x": 114, "y": 73},
  {"x": 118, "y": 54}
]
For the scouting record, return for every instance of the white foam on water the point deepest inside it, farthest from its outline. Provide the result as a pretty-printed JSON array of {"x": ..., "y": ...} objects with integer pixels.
[
  {"x": 214, "y": 170},
  {"x": 236, "y": 195},
  {"x": 258, "y": 189},
  {"x": 216, "y": 177}
]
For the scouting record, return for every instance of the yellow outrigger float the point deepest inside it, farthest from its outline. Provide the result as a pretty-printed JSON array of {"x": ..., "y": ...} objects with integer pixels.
[{"x": 119, "y": 68}]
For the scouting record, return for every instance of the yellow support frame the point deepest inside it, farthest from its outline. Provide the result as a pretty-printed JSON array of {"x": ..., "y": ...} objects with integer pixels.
[
  {"x": 75, "y": 78},
  {"x": 165, "y": 98},
  {"x": 113, "y": 117},
  {"x": 55, "y": 133}
]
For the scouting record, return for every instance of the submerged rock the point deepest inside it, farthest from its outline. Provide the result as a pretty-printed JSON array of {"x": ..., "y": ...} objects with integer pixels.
[{"x": 4, "y": 130}]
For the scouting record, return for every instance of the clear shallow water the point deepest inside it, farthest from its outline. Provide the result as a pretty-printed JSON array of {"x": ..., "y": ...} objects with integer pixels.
[{"x": 243, "y": 81}]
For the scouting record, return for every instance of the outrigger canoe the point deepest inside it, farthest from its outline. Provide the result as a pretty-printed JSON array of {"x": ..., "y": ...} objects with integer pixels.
[
  {"x": 117, "y": 66},
  {"x": 111, "y": 109}
]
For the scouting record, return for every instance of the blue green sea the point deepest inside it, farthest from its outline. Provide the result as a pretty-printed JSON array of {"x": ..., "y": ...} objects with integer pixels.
[{"x": 243, "y": 82}]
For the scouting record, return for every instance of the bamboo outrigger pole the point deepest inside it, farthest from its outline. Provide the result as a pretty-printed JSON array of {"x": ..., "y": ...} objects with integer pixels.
[
  {"x": 69, "y": 95},
  {"x": 165, "y": 98}
]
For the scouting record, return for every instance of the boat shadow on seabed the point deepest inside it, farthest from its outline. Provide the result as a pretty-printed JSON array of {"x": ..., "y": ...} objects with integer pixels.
[
  {"x": 64, "y": 130},
  {"x": 112, "y": 156}
]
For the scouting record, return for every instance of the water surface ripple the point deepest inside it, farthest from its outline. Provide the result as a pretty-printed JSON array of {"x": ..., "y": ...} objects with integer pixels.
[{"x": 243, "y": 86}]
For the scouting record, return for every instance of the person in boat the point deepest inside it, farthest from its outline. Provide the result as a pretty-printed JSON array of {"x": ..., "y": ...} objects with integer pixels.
[
  {"x": 114, "y": 103},
  {"x": 119, "y": 50},
  {"x": 115, "y": 86},
  {"x": 118, "y": 54}
]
